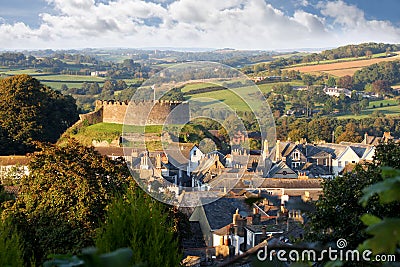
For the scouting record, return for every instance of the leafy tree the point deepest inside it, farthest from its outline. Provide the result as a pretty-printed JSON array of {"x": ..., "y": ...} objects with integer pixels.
[
  {"x": 339, "y": 210},
  {"x": 11, "y": 251},
  {"x": 282, "y": 88},
  {"x": 62, "y": 200},
  {"x": 368, "y": 54},
  {"x": 174, "y": 94},
  {"x": 108, "y": 87},
  {"x": 355, "y": 108},
  {"x": 364, "y": 103},
  {"x": 30, "y": 111},
  {"x": 331, "y": 81},
  {"x": 308, "y": 79},
  {"x": 277, "y": 104},
  {"x": 329, "y": 105},
  {"x": 141, "y": 223},
  {"x": 350, "y": 134},
  {"x": 345, "y": 82},
  {"x": 94, "y": 88},
  {"x": 381, "y": 87},
  {"x": 320, "y": 129},
  {"x": 4, "y": 196}
]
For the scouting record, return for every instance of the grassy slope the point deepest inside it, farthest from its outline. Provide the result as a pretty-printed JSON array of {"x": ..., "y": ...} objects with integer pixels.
[
  {"x": 109, "y": 132},
  {"x": 228, "y": 97}
]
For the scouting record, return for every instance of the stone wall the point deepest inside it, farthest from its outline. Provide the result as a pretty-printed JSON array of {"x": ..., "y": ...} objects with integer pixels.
[
  {"x": 92, "y": 117},
  {"x": 143, "y": 112}
]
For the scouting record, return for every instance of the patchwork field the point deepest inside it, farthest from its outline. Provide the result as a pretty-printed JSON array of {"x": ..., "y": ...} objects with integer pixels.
[{"x": 342, "y": 68}]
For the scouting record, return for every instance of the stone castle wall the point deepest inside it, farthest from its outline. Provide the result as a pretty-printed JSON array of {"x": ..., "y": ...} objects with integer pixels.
[
  {"x": 142, "y": 112},
  {"x": 92, "y": 117}
]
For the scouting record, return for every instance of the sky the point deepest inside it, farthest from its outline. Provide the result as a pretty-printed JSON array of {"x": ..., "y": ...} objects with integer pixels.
[{"x": 239, "y": 24}]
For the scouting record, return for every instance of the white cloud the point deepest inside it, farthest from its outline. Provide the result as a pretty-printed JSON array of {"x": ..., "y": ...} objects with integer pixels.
[
  {"x": 350, "y": 24},
  {"x": 185, "y": 23}
]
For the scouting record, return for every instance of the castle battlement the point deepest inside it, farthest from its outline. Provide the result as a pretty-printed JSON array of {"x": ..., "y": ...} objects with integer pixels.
[
  {"x": 138, "y": 102},
  {"x": 114, "y": 111}
]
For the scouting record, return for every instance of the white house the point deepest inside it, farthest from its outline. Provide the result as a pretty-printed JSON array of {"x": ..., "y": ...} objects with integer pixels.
[
  {"x": 334, "y": 91},
  {"x": 13, "y": 167},
  {"x": 195, "y": 155}
]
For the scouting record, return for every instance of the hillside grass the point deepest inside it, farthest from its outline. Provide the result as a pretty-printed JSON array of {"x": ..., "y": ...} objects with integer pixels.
[
  {"x": 194, "y": 86},
  {"x": 109, "y": 132},
  {"x": 228, "y": 97},
  {"x": 392, "y": 110}
]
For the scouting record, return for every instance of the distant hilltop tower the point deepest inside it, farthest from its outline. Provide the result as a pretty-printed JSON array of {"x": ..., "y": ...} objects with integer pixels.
[{"x": 112, "y": 111}]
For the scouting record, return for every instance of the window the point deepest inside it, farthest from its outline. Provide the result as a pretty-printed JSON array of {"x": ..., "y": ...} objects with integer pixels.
[
  {"x": 339, "y": 164},
  {"x": 295, "y": 165},
  {"x": 194, "y": 152},
  {"x": 296, "y": 155},
  {"x": 325, "y": 162}
]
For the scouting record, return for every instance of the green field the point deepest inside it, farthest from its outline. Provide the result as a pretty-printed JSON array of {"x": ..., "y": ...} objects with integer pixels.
[
  {"x": 392, "y": 110},
  {"x": 391, "y": 102},
  {"x": 227, "y": 96},
  {"x": 56, "y": 80},
  {"x": 32, "y": 72},
  {"x": 70, "y": 78},
  {"x": 194, "y": 86},
  {"x": 267, "y": 87}
]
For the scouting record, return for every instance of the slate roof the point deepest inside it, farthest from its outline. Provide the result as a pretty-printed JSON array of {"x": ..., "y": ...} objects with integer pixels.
[
  {"x": 269, "y": 228},
  {"x": 278, "y": 168},
  {"x": 359, "y": 150},
  {"x": 314, "y": 170},
  {"x": 220, "y": 212},
  {"x": 180, "y": 159},
  {"x": 334, "y": 149},
  {"x": 288, "y": 149}
]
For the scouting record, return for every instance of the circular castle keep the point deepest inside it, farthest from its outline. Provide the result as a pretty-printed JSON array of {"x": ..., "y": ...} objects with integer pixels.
[{"x": 140, "y": 112}]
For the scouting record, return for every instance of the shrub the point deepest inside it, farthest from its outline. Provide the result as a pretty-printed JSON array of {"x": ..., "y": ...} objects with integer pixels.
[{"x": 141, "y": 223}]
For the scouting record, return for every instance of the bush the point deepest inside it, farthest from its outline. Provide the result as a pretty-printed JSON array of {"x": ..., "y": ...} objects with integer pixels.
[
  {"x": 141, "y": 223},
  {"x": 11, "y": 249}
]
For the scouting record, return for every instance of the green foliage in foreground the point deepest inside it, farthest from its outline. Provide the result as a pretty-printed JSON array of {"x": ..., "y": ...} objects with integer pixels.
[
  {"x": 11, "y": 250},
  {"x": 385, "y": 232},
  {"x": 62, "y": 201},
  {"x": 345, "y": 201},
  {"x": 141, "y": 223},
  {"x": 91, "y": 258}
]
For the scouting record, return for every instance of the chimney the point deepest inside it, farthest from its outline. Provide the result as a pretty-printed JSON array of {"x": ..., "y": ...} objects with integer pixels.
[
  {"x": 277, "y": 151},
  {"x": 365, "y": 141},
  {"x": 158, "y": 161},
  {"x": 236, "y": 217},
  {"x": 256, "y": 218},
  {"x": 263, "y": 233}
]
